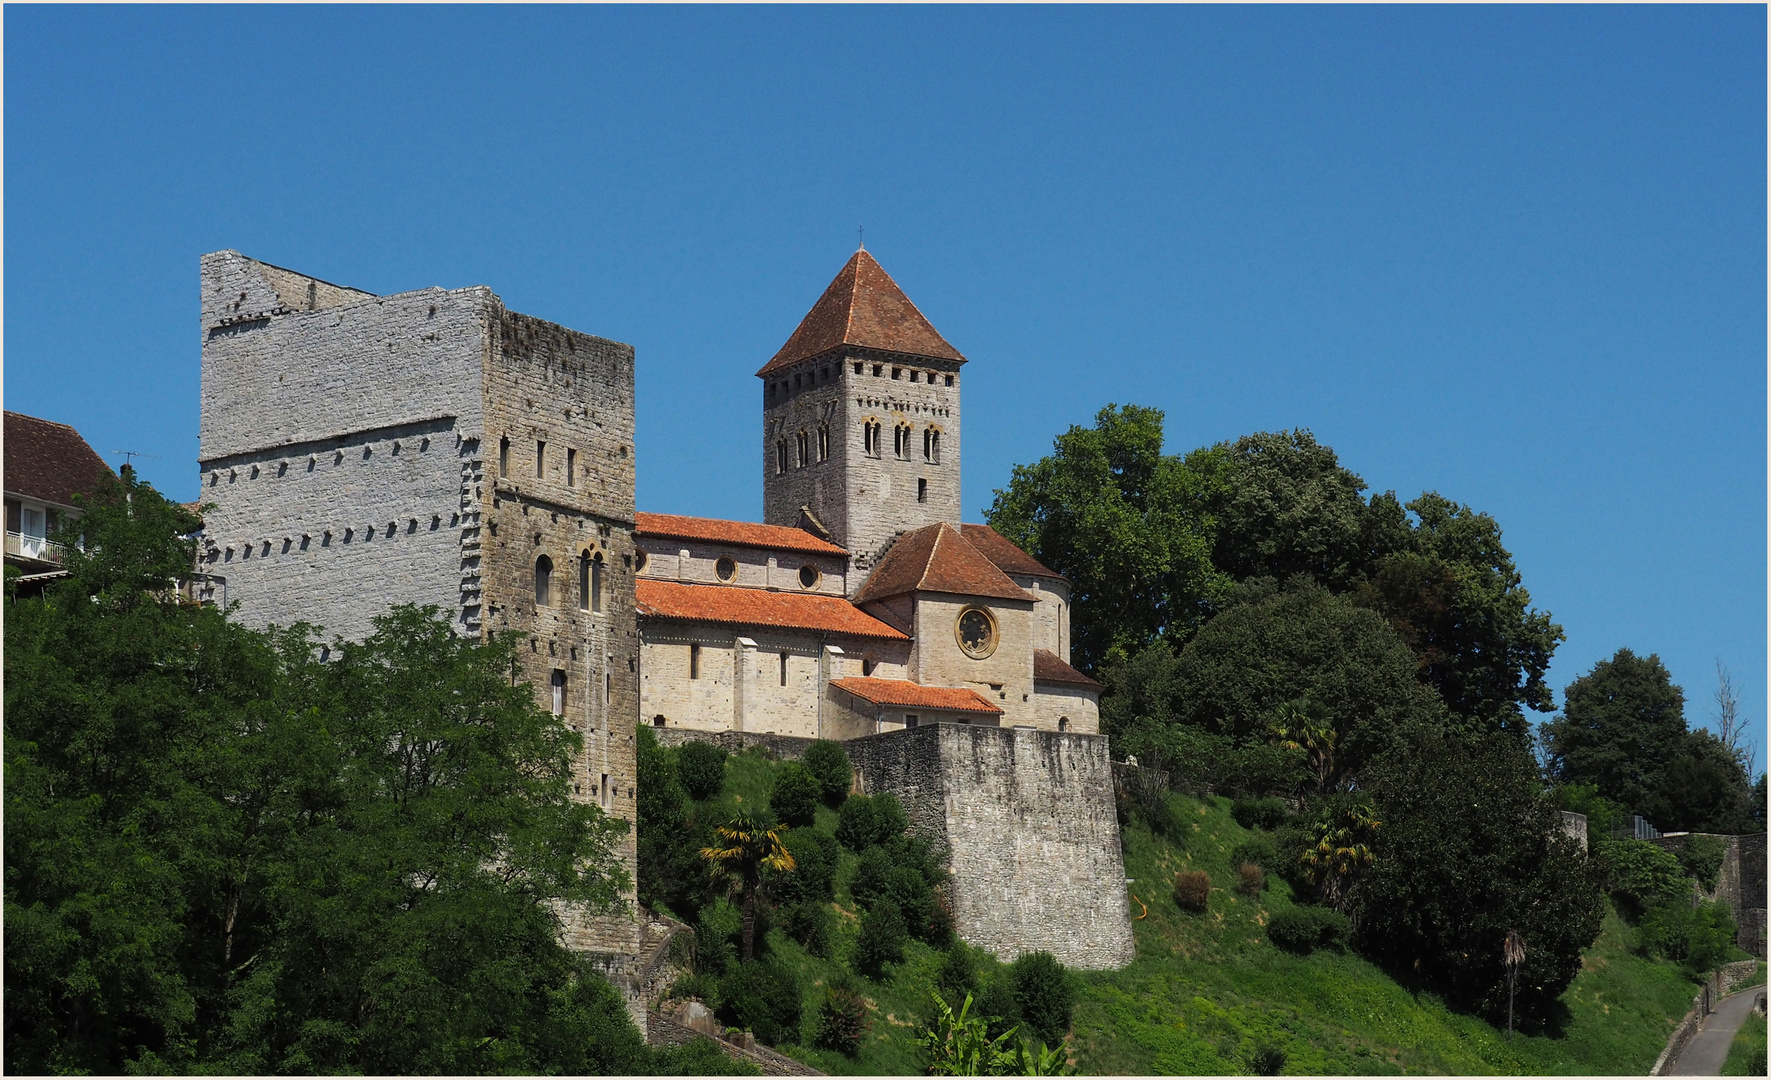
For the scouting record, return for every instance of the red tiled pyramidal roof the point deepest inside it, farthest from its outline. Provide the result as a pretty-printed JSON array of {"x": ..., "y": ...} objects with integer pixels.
[
  {"x": 757, "y": 607},
  {"x": 1002, "y": 551},
  {"x": 1047, "y": 668},
  {"x": 742, "y": 533},
  {"x": 862, "y": 306},
  {"x": 916, "y": 696},
  {"x": 936, "y": 558},
  {"x": 49, "y": 461}
]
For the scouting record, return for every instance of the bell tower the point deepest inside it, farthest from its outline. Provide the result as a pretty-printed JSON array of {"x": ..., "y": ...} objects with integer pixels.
[{"x": 861, "y": 418}]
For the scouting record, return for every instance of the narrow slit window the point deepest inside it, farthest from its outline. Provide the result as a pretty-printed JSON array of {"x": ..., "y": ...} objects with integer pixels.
[
  {"x": 694, "y": 661},
  {"x": 922, "y": 490},
  {"x": 596, "y": 583},
  {"x": 783, "y": 669},
  {"x": 504, "y": 456},
  {"x": 559, "y": 692},
  {"x": 571, "y": 467},
  {"x": 584, "y": 581},
  {"x": 823, "y": 442},
  {"x": 804, "y": 446},
  {"x": 543, "y": 581},
  {"x": 780, "y": 455},
  {"x": 540, "y": 459}
]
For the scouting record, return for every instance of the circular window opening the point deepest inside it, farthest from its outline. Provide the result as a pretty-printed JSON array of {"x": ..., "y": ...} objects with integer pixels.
[
  {"x": 639, "y": 560},
  {"x": 975, "y": 630},
  {"x": 808, "y": 576},
  {"x": 726, "y": 568}
]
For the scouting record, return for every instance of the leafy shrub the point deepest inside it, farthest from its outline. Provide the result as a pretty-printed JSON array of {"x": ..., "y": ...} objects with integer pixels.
[
  {"x": 830, "y": 764},
  {"x": 1250, "y": 879},
  {"x": 703, "y": 987},
  {"x": 1639, "y": 874},
  {"x": 1193, "y": 889},
  {"x": 842, "y": 1019},
  {"x": 914, "y": 897},
  {"x": 1044, "y": 994},
  {"x": 1268, "y": 813},
  {"x": 1702, "y": 856},
  {"x": 794, "y": 798},
  {"x": 1143, "y": 793},
  {"x": 872, "y": 873},
  {"x": 762, "y": 997},
  {"x": 717, "y": 932},
  {"x": 701, "y": 769},
  {"x": 1602, "y": 814},
  {"x": 1259, "y": 849},
  {"x": 958, "y": 975},
  {"x": 889, "y": 819},
  {"x": 1267, "y": 1061},
  {"x": 1700, "y": 939},
  {"x": 996, "y": 1003},
  {"x": 1307, "y": 927},
  {"x": 881, "y": 940},
  {"x": 865, "y": 820},
  {"x": 810, "y": 923},
  {"x": 813, "y": 876}
]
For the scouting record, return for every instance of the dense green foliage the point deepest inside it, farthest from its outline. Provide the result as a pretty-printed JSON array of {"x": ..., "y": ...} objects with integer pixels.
[
  {"x": 1307, "y": 927},
  {"x": 1623, "y": 731},
  {"x": 763, "y": 997},
  {"x": 1471, "y": 847},
  {"x": 1746, "y": 1055},
  {"x": 701, "y": 768},
  {"x": 867, "y": 820},
  {"x": 1045, "y": 994},
  {"x": 1701, "y": 856},
  {"x": 842, "y": 1019},
  {"x": 882, "y": 937},
  {"x": 794, "y": 799},
  {"x": 223, "y": 854},
  {"x": 1126, "y": 524},
  {"x": 1699, "y": 938},
  {"x": 829, "y": 762},
  {"x": 1639, "y": 874}
]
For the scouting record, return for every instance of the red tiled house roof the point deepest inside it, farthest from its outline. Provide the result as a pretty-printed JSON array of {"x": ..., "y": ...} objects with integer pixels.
[
  {"x": 1007, "y": 556},
  {"x": 911, "y": 695},
  {"x": 741, "y": 533},
  {"x": 758, "y": 607},
  {"x": 936, "y": 558},
  {"x": 49, "y": 461},
  {"x": 862, "y": 306},
  {"x": 1047, "y": 668}
]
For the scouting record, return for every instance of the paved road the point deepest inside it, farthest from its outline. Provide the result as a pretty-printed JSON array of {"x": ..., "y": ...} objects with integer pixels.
[{"x": 1704, "y": 1054}]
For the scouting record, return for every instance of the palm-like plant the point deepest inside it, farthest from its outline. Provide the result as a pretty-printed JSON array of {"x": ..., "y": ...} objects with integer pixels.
[{"x": 745, "y": 848}]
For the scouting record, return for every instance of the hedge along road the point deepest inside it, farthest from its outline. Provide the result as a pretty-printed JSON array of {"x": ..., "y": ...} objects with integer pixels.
[{"x": 1704, "y": 1054}]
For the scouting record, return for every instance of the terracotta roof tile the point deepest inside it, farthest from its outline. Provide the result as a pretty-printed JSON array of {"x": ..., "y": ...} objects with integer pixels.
[
  {"x": 936, "y": 558},
  {"x": 742, "y": 533},
  {"x": 1002, "y": 551},
  {"x": 862, "y": 306},
  {"x": 757, "y": 607},
  {"x": 913, "y": 695},
  {"x": 49, "y": 461},
  {"x": 1047, "y": 668}
]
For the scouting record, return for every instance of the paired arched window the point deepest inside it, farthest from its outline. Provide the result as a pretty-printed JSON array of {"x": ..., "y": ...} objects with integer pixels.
[
  {"x": 780, "y": 455},
  {"x": 543, "y": 581},
  {"x": 870, "y": 434},
  {"x": 823, "y": 442},
  {"x": 804, "y": 447},
  {"x": 590, "y": 582},
  {"x": 931, "y": 445},
  {"x": 901, "y": 441}
]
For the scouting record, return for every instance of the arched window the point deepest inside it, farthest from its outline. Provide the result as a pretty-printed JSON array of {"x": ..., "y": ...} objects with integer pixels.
[
  {"x": 931, "y": 445},
  {"x": 1063, "y": 723},
  {"x": 596, "y": 583},
  {"x": 870, "y": 437},
  {"x": 780, "y": 455},
  {"x": 543, "y": 581},
  {"x": 901, "y": 444},
  {"x": 823, "y": 442},
  {"x": 804, "y": 446},
  {"x": 584, "y": 581}
]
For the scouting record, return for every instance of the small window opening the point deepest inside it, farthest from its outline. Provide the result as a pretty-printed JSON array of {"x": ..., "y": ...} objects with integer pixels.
[
  {"x": 609, "y": 692},
  {"x": 1063, "y": 723},
  {"x": 596, "y": 583},
  {"x": 910, "y": 720},
  {"x": 780, "y": 455},
  {"x": 559, "y": 692},
  {"x": 868, "y": 663},
  {"x": 540, "y": 459},
  {"x": 922, "y": 490},
  {"x": 584, "y": 581},
  {"x": 808, "y": 576},
  {"x": 949, "y": 380},
  {"x": 823, "y": 442},
  {"x": 897, "y": 373},
  {"x": 543, "y": 581},
  {"x": 914, "y": 376},
  {"x": 504, "y": 456},
  {"x": 694, "y": 661},
  {"x": 657, "y": 721},
  {"x": 857, "y": 367},
  {"x": 603, "y": 788},
  {"x": 725, "y": 568},
  {"x": 571, "y": 467},
  {"x": 877, "y": 368},
  {"x": 804, "y": 446},
  {"x": 783, "y": 669}
]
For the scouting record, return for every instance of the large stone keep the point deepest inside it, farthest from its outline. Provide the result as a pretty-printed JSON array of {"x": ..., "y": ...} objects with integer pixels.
[
  {"x": 431, "y": 447},
  {"x": 1027, "y": 818}
]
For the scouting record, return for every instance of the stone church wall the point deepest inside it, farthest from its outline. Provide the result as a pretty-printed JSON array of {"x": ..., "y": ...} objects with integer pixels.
[{"x": 1028, "y": 819}]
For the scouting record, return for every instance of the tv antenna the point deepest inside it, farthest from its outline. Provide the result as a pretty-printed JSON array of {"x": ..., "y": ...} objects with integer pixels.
[{"x": 129, "y": 454}]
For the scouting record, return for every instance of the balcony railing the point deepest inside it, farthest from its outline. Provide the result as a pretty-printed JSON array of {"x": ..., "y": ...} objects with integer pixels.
[{"x": 33, "y": 547}]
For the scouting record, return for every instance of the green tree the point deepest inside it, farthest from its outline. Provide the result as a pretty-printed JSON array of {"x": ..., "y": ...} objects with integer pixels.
[
  {"x": 829, "y": 762},
  {"x": 794, "y": 797},
  {"x": 1237, "y": 676},
  {"x": 1621, "y": 726},
  {"x": 1450, "y": 588},
  {"x": 225, "y": 855},
  {"x": 1470, "y": 848},
  {"x": 701, "y": 768},
  {"x": 1126, "y": 524},
  {"x": 744, "y": 848}
]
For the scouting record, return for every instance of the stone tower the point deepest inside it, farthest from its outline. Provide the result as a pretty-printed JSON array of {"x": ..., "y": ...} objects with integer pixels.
[
  {"x": 861, "y": 418},
  {"x": 431, "y": 447}
]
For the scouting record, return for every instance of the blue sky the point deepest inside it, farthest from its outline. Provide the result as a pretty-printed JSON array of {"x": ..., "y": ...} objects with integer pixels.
[{"x": 1514, "y": 255}]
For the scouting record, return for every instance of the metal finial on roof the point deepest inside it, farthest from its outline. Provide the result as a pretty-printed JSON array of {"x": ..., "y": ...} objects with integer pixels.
[{"x": 861, "y": 236}]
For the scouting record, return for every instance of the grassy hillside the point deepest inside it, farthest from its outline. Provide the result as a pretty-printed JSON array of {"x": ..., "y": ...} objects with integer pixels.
[{"x": 1208, "y": 990}]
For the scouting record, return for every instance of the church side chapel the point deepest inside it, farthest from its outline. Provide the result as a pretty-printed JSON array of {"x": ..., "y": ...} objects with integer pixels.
[{"x": 862, "y": 605}]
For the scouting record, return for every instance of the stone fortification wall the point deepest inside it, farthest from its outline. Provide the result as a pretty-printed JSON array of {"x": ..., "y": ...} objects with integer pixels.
[
  {"x": 1028, "y": 820},
  {"x": 1740, "y": 884},
  {"x": 781, "y": 747}
]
